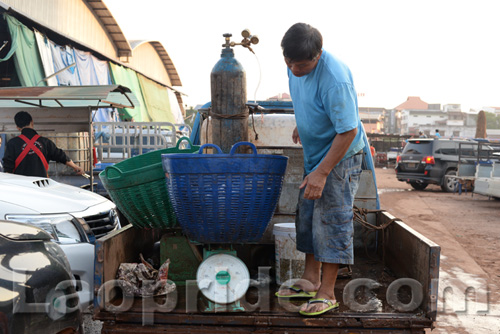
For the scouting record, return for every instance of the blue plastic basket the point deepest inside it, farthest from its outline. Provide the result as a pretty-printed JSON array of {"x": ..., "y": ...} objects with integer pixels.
[{"x": 224, "y": 198}]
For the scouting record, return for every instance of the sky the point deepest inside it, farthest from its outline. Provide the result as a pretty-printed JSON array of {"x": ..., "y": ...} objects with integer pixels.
[{"x": 446, "y": 52}]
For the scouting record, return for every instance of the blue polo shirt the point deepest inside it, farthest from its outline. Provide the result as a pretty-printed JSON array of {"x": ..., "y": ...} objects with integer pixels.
[{"x": 325, "y": 103}]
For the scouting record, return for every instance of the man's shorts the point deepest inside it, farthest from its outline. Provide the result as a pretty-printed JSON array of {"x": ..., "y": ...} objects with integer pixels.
[{"x": 324, "y": 226}]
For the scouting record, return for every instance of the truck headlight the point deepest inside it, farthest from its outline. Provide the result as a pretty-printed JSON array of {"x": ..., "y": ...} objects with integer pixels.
[{"x": 61, "y": 227}]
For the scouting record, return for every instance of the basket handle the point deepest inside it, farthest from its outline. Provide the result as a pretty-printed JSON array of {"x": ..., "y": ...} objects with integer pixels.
[
  {"x": 210, "y": 145},
  {"x": 235, "y": 146},
  {"x": 114, "y": 171},
  {"x": 182, "y": 139}
]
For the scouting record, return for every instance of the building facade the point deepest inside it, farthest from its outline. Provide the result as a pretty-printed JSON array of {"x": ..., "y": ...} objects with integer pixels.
[{"x": 52, "y": 42}]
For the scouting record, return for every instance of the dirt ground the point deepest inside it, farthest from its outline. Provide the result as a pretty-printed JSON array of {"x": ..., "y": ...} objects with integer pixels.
[{"x": 467, "y": 227}]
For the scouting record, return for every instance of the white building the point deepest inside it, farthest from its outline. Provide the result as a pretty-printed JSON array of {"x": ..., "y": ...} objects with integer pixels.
[{"x": 415, "y": 115}]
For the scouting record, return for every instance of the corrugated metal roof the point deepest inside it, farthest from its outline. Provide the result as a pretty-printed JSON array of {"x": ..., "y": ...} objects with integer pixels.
[
  {"x": 112, "y": 96},
  {"x": 167, "y": 61},
  {"x": 112, "y": 27}
]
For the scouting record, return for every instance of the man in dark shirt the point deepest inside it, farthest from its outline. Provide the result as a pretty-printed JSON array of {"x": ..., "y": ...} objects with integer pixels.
[{"x": 29, "y": 154}]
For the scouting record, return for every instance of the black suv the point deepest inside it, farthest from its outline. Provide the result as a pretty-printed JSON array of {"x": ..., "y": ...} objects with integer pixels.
[{"x": 430, "y": 161}]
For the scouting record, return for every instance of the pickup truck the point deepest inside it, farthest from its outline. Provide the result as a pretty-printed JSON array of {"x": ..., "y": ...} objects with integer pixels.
[
  {"x": 74, "y": 218},
  {"x": 392, "y": 287}
]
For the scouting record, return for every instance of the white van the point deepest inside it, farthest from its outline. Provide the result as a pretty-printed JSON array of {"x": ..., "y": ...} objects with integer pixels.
[{"x": 73, "y": 216}]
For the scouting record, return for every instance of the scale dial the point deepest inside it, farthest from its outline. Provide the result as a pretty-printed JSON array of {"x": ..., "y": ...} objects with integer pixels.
[{"x": 223, "y": 278}]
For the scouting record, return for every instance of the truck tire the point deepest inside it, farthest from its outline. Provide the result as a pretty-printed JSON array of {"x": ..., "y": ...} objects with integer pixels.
[
  {"x": 449, "y": 183},
  {"x": 418, "y": 186}
]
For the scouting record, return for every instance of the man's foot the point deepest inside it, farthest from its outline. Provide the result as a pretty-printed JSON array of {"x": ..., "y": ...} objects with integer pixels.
[
  {"x": 295, "y": 292},
  {"x": 318, "y": 306},
  {"x": 301, "y": 286}
]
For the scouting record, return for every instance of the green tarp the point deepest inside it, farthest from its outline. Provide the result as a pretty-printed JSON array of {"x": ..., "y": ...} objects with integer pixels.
[
  {"x": 27, "y": 60},
  {"x": 157, "y": 100},
  {"x": 128, "y": 78},
  {"x": 154, "y": 99}
]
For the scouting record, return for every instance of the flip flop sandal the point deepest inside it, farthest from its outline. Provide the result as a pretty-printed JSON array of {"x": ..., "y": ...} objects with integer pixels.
[
  {"x": 299, "y": 293},
  {"x": 329, "y": 303}
]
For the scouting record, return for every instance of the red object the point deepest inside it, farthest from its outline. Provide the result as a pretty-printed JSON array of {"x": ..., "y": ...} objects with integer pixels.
[
  {"x": 94, "y": 156},
  {"x": 30, "y": 145},
  {"x": 429, "y": 160}
]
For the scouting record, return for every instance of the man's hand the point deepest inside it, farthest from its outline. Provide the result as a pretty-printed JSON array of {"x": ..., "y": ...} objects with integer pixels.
[
  {"x": 78, "y": 170},
  {"x": 295, "y": 136},
  {"x": 314, "y": 183}
]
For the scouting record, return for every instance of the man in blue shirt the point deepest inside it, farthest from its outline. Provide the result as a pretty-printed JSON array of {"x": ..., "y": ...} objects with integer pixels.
[{"x": 329, "y": 129}]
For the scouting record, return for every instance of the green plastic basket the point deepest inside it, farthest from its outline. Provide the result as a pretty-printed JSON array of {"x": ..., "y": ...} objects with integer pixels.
[{"x": 137, "y": 187}]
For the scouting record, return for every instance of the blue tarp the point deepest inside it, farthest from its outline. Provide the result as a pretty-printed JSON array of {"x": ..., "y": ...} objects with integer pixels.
[
  {"x": 45, "y": 52},
  {"x": 92, "y": 71},
  {"x": 63, "y": 56}
]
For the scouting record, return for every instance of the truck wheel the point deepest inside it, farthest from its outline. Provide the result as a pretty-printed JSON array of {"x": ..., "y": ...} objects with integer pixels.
[
  {"x": 449, "y": 183},
  {"x": 418, "y": 186}
]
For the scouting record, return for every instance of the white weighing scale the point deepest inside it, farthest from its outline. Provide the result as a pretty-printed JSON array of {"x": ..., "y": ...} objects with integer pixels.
[{"x": 223, "y": 279}]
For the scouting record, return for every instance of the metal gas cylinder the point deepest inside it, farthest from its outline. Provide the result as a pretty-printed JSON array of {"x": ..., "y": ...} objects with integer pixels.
[{"x": 229, "y": 113}]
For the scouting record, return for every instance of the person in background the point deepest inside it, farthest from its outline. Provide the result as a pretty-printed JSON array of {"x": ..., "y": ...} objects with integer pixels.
[
  {"x": 372, "y": 150},
  {"x": 421, "y": 135},
  {"x": 329, "y": 129},
  {"x": 437, "y": 134},
  {"x": 29, "y": 153}
]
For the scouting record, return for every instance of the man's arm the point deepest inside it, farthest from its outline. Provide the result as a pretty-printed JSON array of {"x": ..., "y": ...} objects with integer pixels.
[
  {"x": 315, "y": 181},
  {"x": 78, "y": 169}
]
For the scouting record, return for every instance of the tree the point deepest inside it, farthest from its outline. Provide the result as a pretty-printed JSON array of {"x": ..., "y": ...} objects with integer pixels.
[
  {"x": 492, "y": 120},
  {"x": 481, "y": 125}
]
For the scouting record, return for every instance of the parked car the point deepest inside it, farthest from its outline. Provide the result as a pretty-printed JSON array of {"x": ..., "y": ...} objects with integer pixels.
[
  {"x": 37, "y": 291},
  {"x": 392, "y": 154},
  {"x": 72, "y": 216},
  {"x": 427, "y": 161}
]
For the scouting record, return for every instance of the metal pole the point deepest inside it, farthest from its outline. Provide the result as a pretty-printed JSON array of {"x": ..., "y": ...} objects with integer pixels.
[{"x": 91, "y": 149}]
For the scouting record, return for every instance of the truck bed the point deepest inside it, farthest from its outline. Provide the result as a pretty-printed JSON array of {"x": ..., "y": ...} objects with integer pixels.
[{"x": 397, "y": 252}]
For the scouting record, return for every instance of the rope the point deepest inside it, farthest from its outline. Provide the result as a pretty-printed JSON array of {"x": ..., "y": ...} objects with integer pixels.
[
  {"x": 207, "y": 113},
  {"x": 215, "y": 115},
  {"x": 360, "y": 215}
]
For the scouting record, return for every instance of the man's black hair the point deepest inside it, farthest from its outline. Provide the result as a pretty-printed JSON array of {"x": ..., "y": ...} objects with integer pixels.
[
  {"x": 301, "y": 42},
  {"x": 22, "y": 119}
]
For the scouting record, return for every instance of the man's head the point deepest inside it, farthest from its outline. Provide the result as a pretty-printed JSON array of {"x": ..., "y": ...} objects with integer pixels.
[
  {"x": 437, "y": 130},
  {"x": 23, "y": 119},
  {"x": 301, "y": 47}
]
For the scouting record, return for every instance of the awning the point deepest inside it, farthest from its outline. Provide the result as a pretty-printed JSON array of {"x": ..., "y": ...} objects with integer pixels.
[
  {"x": 109, "y": 96},
  {"x": 61, "y": 108}
]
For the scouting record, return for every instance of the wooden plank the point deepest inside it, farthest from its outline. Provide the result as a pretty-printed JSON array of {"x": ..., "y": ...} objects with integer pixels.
[
  {"x": 122, "y": 246},
  {"x": 409, "y": 254},
  {"x": 113, "y": 328}
]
